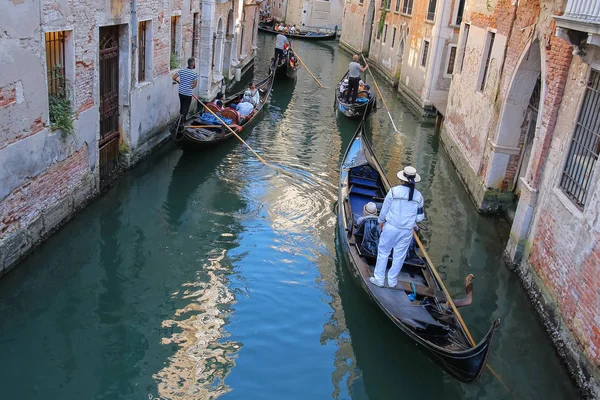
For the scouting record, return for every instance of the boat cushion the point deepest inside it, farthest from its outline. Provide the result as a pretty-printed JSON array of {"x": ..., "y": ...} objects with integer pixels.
[
  {"x": 363, "y": 191},
  {"x": 363, "y": 182}
]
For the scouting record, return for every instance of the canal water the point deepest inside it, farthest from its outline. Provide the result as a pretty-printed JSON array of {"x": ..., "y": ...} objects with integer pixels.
[{"x": 209, "y": 274}]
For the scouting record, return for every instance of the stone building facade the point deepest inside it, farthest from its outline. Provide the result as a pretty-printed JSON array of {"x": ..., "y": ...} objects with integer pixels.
[
  {"x": 412, "y": 43},
  {"x": 523, "y": 123},
  {"x": 109, "y": 66},
  {"x": 314, "y": 14},
  {"x": 276, "y": 9}
]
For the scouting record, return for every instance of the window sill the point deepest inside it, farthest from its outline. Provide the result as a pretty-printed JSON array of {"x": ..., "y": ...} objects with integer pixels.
[
  {"x": 429, "y": 22},
  {"x": 406, "y": 15},
  {"x": 143, "y": 84},
  {"x": 575, "y": 211},
  {"x": 454, "y": 26}
]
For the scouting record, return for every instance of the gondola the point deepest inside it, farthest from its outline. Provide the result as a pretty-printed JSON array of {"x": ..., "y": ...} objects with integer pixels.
[
  {"x": 211, "y": 131},
  {"x": 287, "y": 67},
  {"x": 300, "y": 35},
  {"x": 366, "y": 103},
  {"x": 417, "y": 305}
]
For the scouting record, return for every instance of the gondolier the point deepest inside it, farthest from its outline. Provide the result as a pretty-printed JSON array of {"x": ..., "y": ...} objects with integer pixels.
[
  {"x": 187, "y": 79},
  {"x": 280, "y": 42},
  {"x": 354, "y": 70},
  {"x": 402, "y": 209}
]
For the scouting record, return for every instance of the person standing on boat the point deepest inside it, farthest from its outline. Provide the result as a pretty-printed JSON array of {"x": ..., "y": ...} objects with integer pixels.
[
  {"x": 354, "y": 70},
  {"x": 187, "y": 79},
  {"x": 401, "y": 211},
  {"x": 280, "y": 42}
]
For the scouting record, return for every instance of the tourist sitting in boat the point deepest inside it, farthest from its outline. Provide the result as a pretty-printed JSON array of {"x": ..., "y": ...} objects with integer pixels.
[
  {"x": 243, "y": 108},
  {"x": 218, "y": 101},
  {"x": 367, "y": 89},
  {"x": 367, "y": 227},
  {"x": 343, "y": 86},
  {"x": 293, "y": 29},
  {"x": 251, "y": 95},
  {"x": 401, "y": 211}
]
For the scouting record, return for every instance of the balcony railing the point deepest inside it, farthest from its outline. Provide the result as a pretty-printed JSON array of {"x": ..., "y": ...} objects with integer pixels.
[{"x": 583, "y": 10}]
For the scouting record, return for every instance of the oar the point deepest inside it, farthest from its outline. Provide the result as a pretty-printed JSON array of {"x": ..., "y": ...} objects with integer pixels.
[
  {"x": 380, "y": 95},
  {"x": 453, "y": 306},
  {"x": 230, "y": 130},
  {"x": 311, "y": 74}
]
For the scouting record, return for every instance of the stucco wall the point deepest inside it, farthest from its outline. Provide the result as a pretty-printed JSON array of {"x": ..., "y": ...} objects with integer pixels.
[
  {"x": 355, "y": 20},
  {"x": 319, "y": 14}
]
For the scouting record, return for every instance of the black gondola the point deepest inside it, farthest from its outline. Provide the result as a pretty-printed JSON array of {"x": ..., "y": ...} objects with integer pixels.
[
  {"x": 300, "y": 35},
  {"x": 287, "y": 67},
  {"x": 365, "y": 105},
  {"x": 211, "y": 133},
  {"x": 417, "y": 304}
]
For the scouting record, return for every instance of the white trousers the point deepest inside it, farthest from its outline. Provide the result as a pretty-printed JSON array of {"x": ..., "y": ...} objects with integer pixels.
[{"x": 391, "y": 238}]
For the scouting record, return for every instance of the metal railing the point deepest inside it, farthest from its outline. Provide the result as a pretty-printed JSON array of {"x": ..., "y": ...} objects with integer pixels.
[{"x": 585, "y": 10}]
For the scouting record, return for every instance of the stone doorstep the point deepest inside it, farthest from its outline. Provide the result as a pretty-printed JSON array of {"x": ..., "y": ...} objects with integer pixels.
[{"x": 582, "y": 370}]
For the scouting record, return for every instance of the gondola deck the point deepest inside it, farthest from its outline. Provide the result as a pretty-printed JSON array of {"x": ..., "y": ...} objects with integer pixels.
[{"x": 426, "y": 320}]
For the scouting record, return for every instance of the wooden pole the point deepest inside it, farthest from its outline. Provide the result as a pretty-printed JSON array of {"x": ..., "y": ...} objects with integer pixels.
[
  {"x": 311, "y": 74},
  {"x": 230, "y": 130},
  {"x": 380, "y": 95},
  {"x": 453, "y": 306}
]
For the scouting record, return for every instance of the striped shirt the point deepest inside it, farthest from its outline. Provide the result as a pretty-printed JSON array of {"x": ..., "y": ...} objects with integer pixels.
[{"x": 186, "y": 80}]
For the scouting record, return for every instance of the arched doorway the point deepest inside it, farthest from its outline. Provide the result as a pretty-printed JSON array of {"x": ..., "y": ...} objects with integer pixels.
[
  {"x": 217, "y": 61},
  {"x": 508, "y": 156},
  {"x": 229, "y": 38}
]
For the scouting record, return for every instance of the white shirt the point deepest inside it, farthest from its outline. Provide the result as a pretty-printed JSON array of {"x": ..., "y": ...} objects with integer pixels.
[
  {"x": 252, "y": 98},
  {"x": 280, "y": 40},
  {"x": 398, "y": 211},
  {"x": 244, "y": 108}
]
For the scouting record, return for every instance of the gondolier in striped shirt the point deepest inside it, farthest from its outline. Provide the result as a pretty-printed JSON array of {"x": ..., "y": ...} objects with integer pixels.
[
  {"x": 354, "y": 70},
  {"x": 187, "y": 79}
]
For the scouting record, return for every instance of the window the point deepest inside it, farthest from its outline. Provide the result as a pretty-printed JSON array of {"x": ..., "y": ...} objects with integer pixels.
[
  {"x": 393, "y": 37},
  {"x": 174, "y": 61},
  {"x": 585, "y": 146},
  {"x": 397, "y": 8},
  {"x": 361, "y": 2},
  {"x": 195, "y": 34},
  {"x": 451, "y": 60},
  {"x": 460, "y": 11},
  {"x": 144, "y": 51},
  {"x": 388, "y": 4},
  {"x": 489, "y": 45},
  {"x": 378, "y": 36},
  {"x": 431, "y": 10},
  {"x": 407, "y": 7},
  {"x": 424, "y": 53},
  {"x": 55, "y": 63},
  {"x": 464, "y": 45},
  {"x": 384, "y": 33}
]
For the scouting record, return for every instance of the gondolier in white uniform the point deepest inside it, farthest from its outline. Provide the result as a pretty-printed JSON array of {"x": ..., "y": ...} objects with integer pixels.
[{"x": 401, "y": 211}]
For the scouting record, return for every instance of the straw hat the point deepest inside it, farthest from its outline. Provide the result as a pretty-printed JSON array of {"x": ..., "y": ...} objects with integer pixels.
[
  {"x": 370, "y": 209},
  {"x": 408, "y": 172}
]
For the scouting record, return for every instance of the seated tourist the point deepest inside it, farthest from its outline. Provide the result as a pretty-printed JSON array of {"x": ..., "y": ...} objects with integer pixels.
[
  {"x": 344, "y": 86},
  {"x": 251, "y": 95},
  {"x": 293, "y": 29},
  {"x": 368, "y": 226},
  {"x": 218, "y": 101},
  {"x": 243, "y": 108},
  {"x": 369, "y": 210},
  {"x": 361, "y": 85}
]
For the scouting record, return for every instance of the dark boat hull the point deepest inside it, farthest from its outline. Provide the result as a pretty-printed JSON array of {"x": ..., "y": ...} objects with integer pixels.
[
  {"x": 465, "y": 364},
  {"x": 199, "y": 139},
  {"x": 329, "y": 36},
  {"x": 356, "y": 111}
]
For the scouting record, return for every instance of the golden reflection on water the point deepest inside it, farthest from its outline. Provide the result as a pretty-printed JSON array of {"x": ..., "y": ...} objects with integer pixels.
[{"x": 199, "y": 368}]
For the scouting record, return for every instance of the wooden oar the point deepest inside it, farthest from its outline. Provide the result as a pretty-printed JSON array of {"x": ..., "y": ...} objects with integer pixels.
[
  {"x": 381, "y": 95},
  {"x": 453, "y": 306},
  {"x": 230, "y": 130},
  {"x": 311, "y": 74}
]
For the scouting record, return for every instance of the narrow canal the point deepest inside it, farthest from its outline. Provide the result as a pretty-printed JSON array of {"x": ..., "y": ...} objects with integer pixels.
[{"x": 199, "y": 275}]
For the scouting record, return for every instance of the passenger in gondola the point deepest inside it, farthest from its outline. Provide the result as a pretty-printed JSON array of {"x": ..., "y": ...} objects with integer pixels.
[
  {"x": 401, "y": 211},
  {"x": 367, "y": 88},
  {"x": 367, "y": 227},
  {"x": 354, "y": 70},
  {"x": 243, "y": 109},
  {"x": 280, "y": 42},
  {"x": 251, "y": 95},
  {"x": 293, "y": 29},
  {"x": 343, "y": 87},
  {"x": 218, "y": 101}
]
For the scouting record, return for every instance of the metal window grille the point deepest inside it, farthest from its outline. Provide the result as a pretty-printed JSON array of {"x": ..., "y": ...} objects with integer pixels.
[
  {"x": 431, "y": 10},
  {"x": 407, "y": 7},
  {"x": 142, "y": 51},
  {"x": 451, "y": 60},
  {"x": 461, "y": 10},
  {"x": 464, "y": 49},
  {"x": 585, "y": 146},
  {"x": 55, "y": 62},
  {"x": 393, "y": 37},
  {"x": 195, "y": 34},
  {"x": 174, "y": 35},
  {"x": 425, "y": 53},
  {"x": 397, "y": 8},
  {"x": 488, "y": 57}
]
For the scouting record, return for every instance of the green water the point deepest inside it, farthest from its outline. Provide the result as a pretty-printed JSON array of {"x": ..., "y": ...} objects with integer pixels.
[{"x": 209, "y": 274}]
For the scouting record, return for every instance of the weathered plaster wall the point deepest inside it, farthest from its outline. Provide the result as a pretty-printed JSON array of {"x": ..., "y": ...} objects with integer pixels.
[
  {"x": 276, "y": 8},
  {"x": 355, "y": 37},
  {"x": 315, "y": 14},
  {"x": 386, "y": 57}
]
